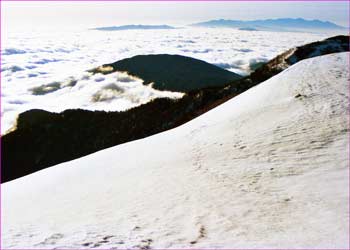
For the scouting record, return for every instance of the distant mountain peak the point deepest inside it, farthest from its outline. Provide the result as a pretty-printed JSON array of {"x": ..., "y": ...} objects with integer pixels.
[{"x": 134, "y": 27}]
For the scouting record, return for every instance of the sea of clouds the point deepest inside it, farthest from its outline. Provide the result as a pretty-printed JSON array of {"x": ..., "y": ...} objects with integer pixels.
[{"x": 48, "y": 70}]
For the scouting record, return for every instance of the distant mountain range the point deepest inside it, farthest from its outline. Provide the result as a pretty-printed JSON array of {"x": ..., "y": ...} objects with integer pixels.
[
  {"x": 135, "y": 27},
  {"x": 279, "y": 24},
  {"x": 272, "y": 24}
]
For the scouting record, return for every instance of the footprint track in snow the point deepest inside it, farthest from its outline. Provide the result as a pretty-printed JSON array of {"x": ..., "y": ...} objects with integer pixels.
[{"x": 202, "y": 233}]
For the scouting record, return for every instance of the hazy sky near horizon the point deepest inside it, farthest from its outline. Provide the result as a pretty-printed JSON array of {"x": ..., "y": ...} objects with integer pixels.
[{"x": 93, "y": 14}]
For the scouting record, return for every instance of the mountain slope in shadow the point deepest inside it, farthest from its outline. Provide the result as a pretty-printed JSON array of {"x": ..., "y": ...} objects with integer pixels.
[
  {"x": 44, "y": 139},
  {"x": 172, "y": 72}
]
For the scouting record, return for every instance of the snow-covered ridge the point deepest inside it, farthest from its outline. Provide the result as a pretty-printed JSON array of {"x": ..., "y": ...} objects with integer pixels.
[
  {"x": 281, "y": 62},
  {"x": 97, "y": 130},
  {"x": 267, "y": 169}
]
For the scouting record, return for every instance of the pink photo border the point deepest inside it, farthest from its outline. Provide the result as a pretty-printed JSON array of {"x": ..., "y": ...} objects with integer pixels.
[{"x": 175, "y": 1}]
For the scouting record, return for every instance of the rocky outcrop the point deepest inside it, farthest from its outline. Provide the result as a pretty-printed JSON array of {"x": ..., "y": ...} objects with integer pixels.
[{"x": 43, "y": 139}]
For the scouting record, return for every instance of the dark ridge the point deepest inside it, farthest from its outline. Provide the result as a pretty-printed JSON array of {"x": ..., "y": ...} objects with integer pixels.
[
  {"x": 44, "y": 139},
  {"x": 172, "y": 72}
]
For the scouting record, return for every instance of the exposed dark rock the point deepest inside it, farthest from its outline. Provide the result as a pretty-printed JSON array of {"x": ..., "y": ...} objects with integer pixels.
[
  {"x": 44, "y": 139},
  {"x": 299, "y": 96}
]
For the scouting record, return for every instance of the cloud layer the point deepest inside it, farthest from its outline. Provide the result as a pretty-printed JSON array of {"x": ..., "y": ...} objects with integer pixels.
[{"x": 48, "y": 70}]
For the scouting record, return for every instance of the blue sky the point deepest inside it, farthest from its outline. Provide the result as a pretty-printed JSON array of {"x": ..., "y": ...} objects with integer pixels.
[{"x": 92, "y": 14}]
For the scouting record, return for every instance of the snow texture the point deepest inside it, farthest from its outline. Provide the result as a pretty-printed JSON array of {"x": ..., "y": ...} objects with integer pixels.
[{"x": 267, "y": 169}]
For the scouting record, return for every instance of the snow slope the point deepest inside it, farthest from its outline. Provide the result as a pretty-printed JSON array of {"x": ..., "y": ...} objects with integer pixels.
[{"x": 267, "y": 169}]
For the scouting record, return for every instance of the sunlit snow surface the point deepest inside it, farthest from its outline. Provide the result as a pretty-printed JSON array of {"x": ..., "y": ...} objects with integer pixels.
[
  {"x": 267, "y": 169},
  {"x": 33, "y": 59}
]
